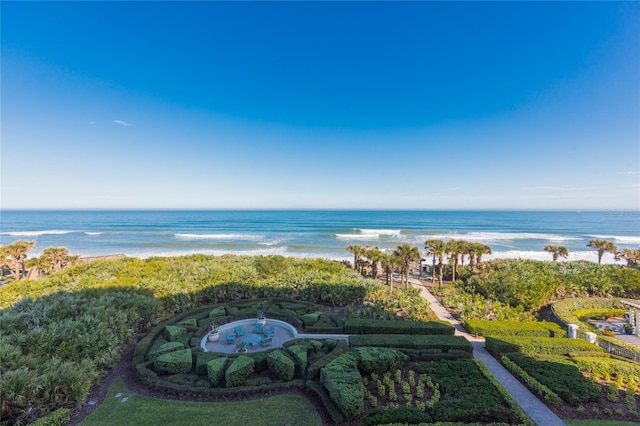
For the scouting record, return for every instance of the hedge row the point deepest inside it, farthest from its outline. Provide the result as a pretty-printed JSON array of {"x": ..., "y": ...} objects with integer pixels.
[
  {"x": 606, "y": 366},
  {"x": 561, "y": 376},
  {"x": 281, "y": 365},
  {"x": 365, "y": 326},
  {"x": 409, "y": 341},
  {"x": 343, "y": 383},
  {"x": 239, "y": 370},
  {"x": 564, "y": 309},
  {"x": 175, "y": 362},
  {"x": 533, "y": 384},
  {"x": 313, "y": 372},
  {"x": 537, "y": 345},
  {"x": 164, "y": 349},
  {"x": 216, "y": 370},
  {"x": 514, "y": 328},
  {"x": 299, "y": 354}
]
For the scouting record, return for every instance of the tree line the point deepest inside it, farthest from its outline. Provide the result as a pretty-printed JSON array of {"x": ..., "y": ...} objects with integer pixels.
[{"x": 370, "y": 260}]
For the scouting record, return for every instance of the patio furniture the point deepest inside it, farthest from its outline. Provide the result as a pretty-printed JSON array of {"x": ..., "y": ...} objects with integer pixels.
[
  {"x": 269, "y": 331},
  {"x": 267, "y": 341},
  {"x": 231, "y": 338},
  {"x": 239, "y": 331},
  {"x": 258, "y": 328}
]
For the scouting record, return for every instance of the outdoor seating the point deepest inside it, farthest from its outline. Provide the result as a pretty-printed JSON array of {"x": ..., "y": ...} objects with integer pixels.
[
  {"x": 267, "y": 341},
  {"x": 258, "y": 328},
  {"x": 239, "y": 331},
  {"x": 231, "y": 337},
  {"x": 269, "y": 331}
]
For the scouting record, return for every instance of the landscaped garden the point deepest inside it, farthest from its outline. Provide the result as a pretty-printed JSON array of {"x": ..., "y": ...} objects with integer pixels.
[{"x": 400, "y": 365}]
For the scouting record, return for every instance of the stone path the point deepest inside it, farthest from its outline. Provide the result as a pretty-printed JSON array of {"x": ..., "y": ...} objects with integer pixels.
[{"x": 531, "y": 405}]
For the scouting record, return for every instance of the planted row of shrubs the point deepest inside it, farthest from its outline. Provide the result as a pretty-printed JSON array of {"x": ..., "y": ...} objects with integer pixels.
[
  {"x": 514, "y": 328},
  {"x": 539, "y": 345},
  {"x": 409, "y": 341},
  {"x": 365, "y": 326}
]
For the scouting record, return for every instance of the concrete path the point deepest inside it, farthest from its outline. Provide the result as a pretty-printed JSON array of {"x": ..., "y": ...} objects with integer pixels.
[{"x": 531, "y": 405}]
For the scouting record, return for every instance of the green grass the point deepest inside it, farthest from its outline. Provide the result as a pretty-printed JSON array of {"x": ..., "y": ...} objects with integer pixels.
[
  {"x": 596, "y": 422},
  {"x": 142, "y": 410}
]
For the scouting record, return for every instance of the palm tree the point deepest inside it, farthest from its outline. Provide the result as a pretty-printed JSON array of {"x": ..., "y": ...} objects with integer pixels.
[
  {"x": 454, "y": 248},
  {"x": 476, "y": 250},
  {"x": 375, "y": 256},
  {"x": 56, "y": 258},
  {"x": 631, "y": 256},
  {"x": 406, "y": 254},
  {"x": 437, "y": 249},
  {"x": 17, "y": 251},
  {"x": 358, "y": 251},
  {"x": 557, "y": 251},
  {"x": 389, "y": 263},
  {"x": 603, "y": 246}
]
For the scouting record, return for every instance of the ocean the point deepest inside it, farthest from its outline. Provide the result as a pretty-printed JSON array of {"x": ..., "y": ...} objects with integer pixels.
[{"x": 315, "y": 233}]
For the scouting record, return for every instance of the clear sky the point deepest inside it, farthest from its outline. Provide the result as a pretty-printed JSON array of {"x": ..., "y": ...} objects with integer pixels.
[{"x": 425, "y": 105}]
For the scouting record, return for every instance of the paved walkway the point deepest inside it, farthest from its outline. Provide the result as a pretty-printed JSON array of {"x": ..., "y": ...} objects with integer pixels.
[{"x": 531, "y": 405}]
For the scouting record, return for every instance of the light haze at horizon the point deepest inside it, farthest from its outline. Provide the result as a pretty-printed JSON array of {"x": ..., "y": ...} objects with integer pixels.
[{"x": 321, "y": 105}]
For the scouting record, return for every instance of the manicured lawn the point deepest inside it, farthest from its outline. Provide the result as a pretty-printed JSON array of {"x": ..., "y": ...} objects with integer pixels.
[
  {"x": 575, "y": 422},
  {"x": 141, "y": 410}
]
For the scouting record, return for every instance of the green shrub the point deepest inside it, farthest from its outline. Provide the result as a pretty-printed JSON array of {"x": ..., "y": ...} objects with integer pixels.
[
  {"x": 334, "y": 413},
  {"x": 367, "y": 326},
  {"x": 164, "y": 349},
  {"x": 396, "y": 415},
  {"x": 260, "y": 358},
  {"x": 537, "y": 345},
  {"x": 174, "y": 362},
  {"x": 315, "y": 367},
  {"x": 542, "y": 390},
  {"x": 281, "y": 365},
  {"x": 219, "y": 311},
  {"x": 514, "y": 328},
  {"x": 239, "y": 370},
  {"x": 216, "y": 370},
  {"x": 172, "y": 332},
  {"x": 378, "y": 360},
  {"x": 59, "y": 417},
  {"x": 191, "y": 322},
  {"x": 299, "y": 354},
  {"x": 408, "y": 341},
  {"x": 598, "y": 313},
  {"x": 607, "y": 366},
  {"x": 561, "y": 376},
  {"x": 564, "y": 309},
  {"x": 310, "y": 319},
  {"x": 344, "y": 385},
  {"x": 202, "y": 358}
]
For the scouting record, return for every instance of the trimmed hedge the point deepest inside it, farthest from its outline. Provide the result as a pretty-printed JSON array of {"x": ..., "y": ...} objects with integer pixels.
[
  {"x": 409, "y": 341},
  {"x": 561, "y": 376},
  {"x": 164, "y": 349},
  {"x": 538, "y": 345},
  {"x": 281, "y": 365},
  {"x": 606, "y": 366},
  {"x": 216, "y": 370},
  {"x": 299, "y": 354},
  {"x": 220, "y": 311},
  {"x": 239, "y": 370},
  {"x": 174, "y": 362},
  {"x": 191, "y": 322},
  {"x": 365, "y": 326},
  {"x": 340, "y": 347},
  {"x": 563, "y": 310},
  {"x": 172, "y": 332},
  {"x": 343, "y": 382},
  {"x": 202, "y": 358},
  {"x": 335, "y": 414},
  {"x": 542, "y": 390},
  {"x": 378, "y": 360},
  {"x": 514, "y": 328}
]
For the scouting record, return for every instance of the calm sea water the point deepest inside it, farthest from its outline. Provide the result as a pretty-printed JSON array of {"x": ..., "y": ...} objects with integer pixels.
[{"x": 315, "y": 233}]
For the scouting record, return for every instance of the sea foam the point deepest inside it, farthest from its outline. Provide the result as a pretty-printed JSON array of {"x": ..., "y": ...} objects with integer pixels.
[
  {"x": 35, "y": 233},
  {"x": 219, "y": 236}
]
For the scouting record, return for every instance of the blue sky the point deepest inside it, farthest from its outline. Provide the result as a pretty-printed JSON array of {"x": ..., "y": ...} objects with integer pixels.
[{"x": 420, "y": 105}]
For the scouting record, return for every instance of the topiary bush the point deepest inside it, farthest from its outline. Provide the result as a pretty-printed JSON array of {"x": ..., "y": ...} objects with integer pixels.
[
  {"x": 239, "y": 370},
  {"x": 174, "y": 362},
  {"x": 164, "y": 349},
  {"x": 343, "y": 383},
  {"x": 299, "y": 354},
  {"x": 281, "y": 365},
  {"x": 378, "y": 360},
  {"x": 172, "y": 332},
  {"x": 216, "y": 370},
  {"x": 202, "y": 358}
]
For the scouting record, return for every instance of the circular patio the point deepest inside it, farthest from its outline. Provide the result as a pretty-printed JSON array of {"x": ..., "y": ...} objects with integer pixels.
[{"x": 283, "y": 332}]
